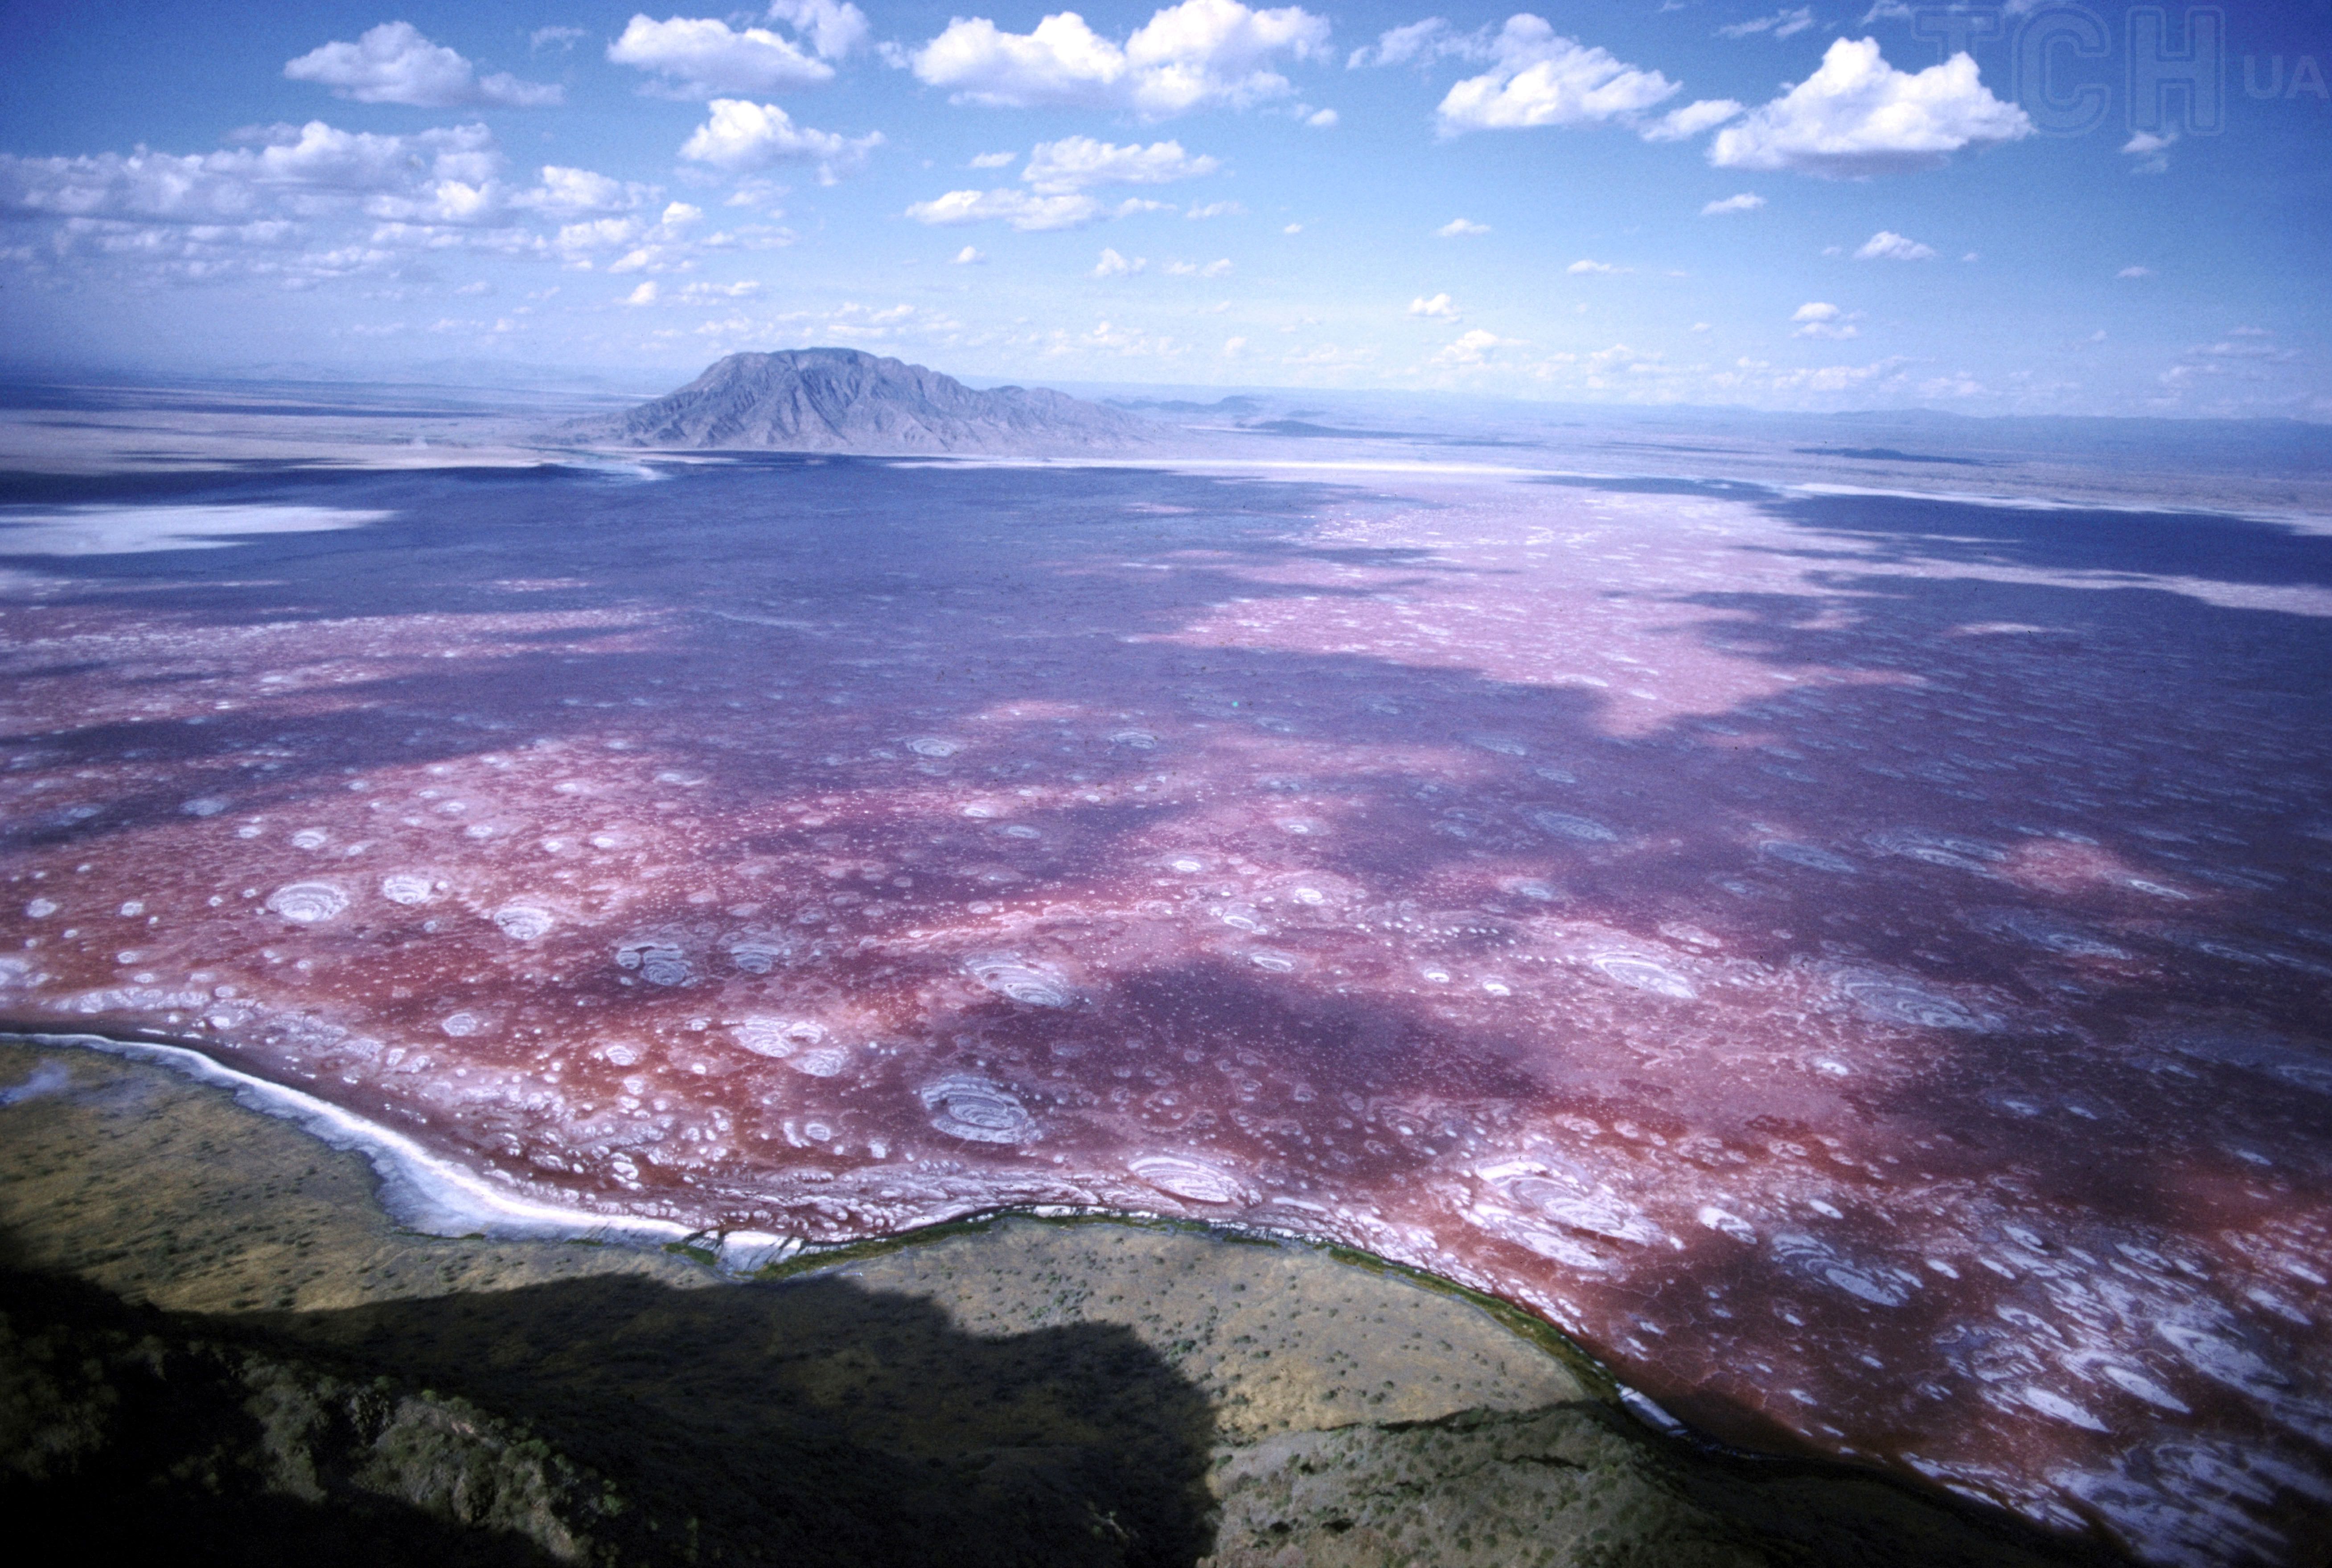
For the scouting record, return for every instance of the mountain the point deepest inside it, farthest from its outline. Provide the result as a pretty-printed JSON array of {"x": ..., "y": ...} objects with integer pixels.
[{"x": 841, "y": 400}]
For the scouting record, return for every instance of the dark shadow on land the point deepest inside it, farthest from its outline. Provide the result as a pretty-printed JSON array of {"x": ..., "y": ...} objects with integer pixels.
[
  {"x": 809, "y": 1421},
  {"x": 812, "y": 1422}
]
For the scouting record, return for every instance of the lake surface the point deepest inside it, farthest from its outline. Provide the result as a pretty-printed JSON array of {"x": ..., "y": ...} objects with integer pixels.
[{"x": 1861, "y": 962}]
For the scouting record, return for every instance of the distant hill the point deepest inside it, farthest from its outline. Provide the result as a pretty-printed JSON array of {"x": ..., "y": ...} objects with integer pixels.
[{"x": 841, "y": 400}]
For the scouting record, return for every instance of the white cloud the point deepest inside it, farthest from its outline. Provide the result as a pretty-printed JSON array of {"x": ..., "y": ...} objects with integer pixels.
[
  {"x": 1234, "y": 346},
  {"x": 834, "y": 29},
  {"x": 1423, "y": 43},
  {"x": 1541, "y": 78},
  {"x": 1112, "y": 265},
  {"x": 2152, "y": 152},
  {"x": 1475, "y": 349},
  {"x": 1216, "y": 210},
  {"x": 1780, "y": 25},
  {"x": 1818, "y": 318},
  {"x": 645, "y": 294},
  {"x": 1217, "y": 269},
  {"x": 1887, "y": 245},
  {"x": 1858, "y": 116},
  {"x": 744, "y": 135},
  {"x": 1746, "y": 202},
  {"x": 1458, "y": 227},
  {"x": 1024, "y": 210},
  {"x": 1293, "y": 229},
  {"x": 542, "y": 38},
  {"x": 991, "y": 160},
  {"x": 1438, "y": 306},
  {"x": 284, "y": 172},
  {"x": 1320, "y": 119},
  {"x": 1684, "y": 124},
  {"x": 1958, "y": 384},
  {"x": 2135, "y": 273},
  {"x": 1045, "y": 208},
  {"x": 1199, "y": 53},
  {"x": 566, "y": 192},
  {"x": 701, "y": 57},
  {"x": 1076, "y": 163},
  {"x": 394, "y": 63},
  {"x": 1698, "y": 327},
  {"x": 969, "y": 257},
  {"x": 1583, "y": 268},
  {"x": 1836, "y": 378}
]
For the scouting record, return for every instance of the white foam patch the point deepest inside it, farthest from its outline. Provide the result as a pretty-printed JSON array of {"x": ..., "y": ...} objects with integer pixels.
[
  {"x": 308, "y": 902},
  {"x": 1187, "y": 1178},
  {"x": 132, "y": 530},
  {"x": 966, "y": 1107},
  {"x": 1032, "y": 984},
  {"x": 405, "y": 888},
  {"x": 1585, "y": 830},
  {"x": 523, "y": 922},
  {"x": 1641, "y": 974}
]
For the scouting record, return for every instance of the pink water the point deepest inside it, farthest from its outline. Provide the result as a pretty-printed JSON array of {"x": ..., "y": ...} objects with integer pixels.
[{"x": 1860, "y": 964}]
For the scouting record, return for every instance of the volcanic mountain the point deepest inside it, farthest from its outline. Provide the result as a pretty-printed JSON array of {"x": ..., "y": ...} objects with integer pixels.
[{"x": 841, "y": 400}]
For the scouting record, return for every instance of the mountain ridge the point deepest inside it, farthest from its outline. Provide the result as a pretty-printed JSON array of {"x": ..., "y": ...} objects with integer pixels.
[{"x": 844, "y": 400}]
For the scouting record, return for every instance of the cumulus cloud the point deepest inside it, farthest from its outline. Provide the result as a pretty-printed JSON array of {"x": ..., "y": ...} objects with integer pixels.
[
  {"x": 1786, "y": 23},
  {"x": 1439, "y": 307},
  {"x": 1857, "y": 116},
  {"x": 969, "y": 257},
  {"x": 1112, "y": 265},
  {"x": 1457, "y": 228},
  {"x": 394, "y": 63},
  {"x": 1076, "y": 163},
  {"x": 1583, "y": 268},
  {"x": 281, "y": 171},
  {"x": 1421, "y": 42},
  {"x": 1319, "y": 119},
  {"x": 303, "y": 205},
  {"x": 2135, "y": 273},
  {"x": 1541, "y": 78},
  {"x": 1818, "y": 318},
  {"x": 2152, "y": 152},
  {"x": 743, "y": 135},
  {"x": 1215, "y": 269},
  {"x": 1062, "y": 173},
  {"x": 1024, "y": 210},
  {"x": 1684, "y": 124},
  {"x": 991, "y": 160},
  {"x": 834, "y": 27},
  {"x": 701, "y": 57},
  {"x": 1199, "y": 53},
  {"x": 1746, "y": 202},
  {"x": 1475, "y": 347},
  {"x": 1215, "y": 210},
  {"x": 1887, "y": 245}
]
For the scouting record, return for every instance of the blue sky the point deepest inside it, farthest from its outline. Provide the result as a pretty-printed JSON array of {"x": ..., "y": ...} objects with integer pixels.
[{"x": 1679, "y": 201}]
